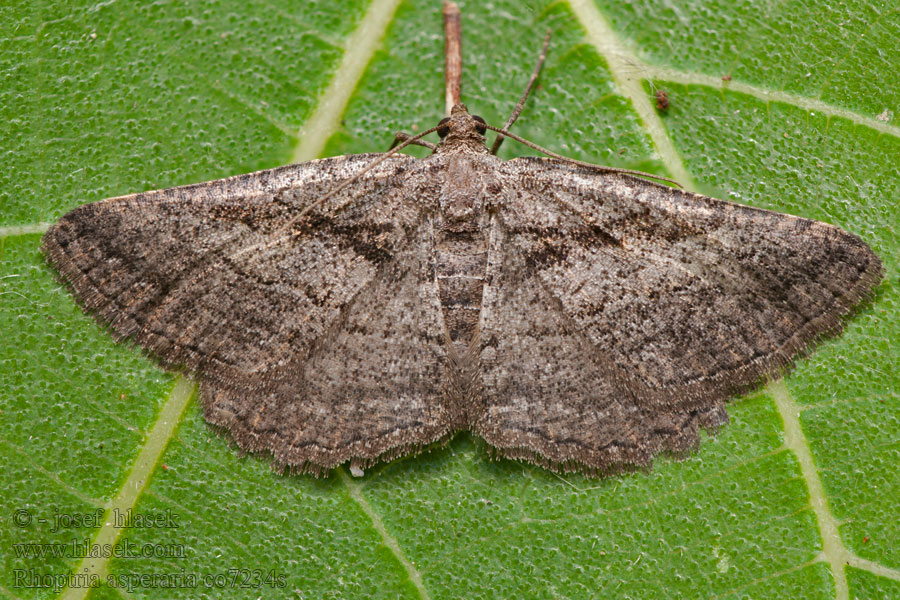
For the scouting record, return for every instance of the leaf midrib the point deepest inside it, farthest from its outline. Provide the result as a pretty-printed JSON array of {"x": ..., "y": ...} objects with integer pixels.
[{"x": 145, "y": 465}]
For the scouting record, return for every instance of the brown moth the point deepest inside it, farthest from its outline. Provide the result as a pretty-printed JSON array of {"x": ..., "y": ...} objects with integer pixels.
[{"x": 358, "y": 308}]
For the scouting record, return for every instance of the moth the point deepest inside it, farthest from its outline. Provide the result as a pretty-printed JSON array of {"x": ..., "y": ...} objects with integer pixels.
[{"x": 359, "y": 308}]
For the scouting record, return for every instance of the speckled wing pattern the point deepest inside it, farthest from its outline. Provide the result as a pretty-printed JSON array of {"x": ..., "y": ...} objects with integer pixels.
[
  {"x": 579, "y": 320},
  {"x": 283, "y": 319},
  {"x": 634, "y": 310}
]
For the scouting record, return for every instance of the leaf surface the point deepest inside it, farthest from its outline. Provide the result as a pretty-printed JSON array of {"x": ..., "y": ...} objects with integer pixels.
[{"x": 797, "y": 498}]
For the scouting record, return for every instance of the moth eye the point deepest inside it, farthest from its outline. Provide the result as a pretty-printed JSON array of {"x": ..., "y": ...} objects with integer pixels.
[
  {"x": 443, "y": 129},
  {"x": 480, "y": 124}
]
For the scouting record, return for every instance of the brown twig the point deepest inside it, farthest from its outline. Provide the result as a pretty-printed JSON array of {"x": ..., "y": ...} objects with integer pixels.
[{"x": 453, "y": 53}]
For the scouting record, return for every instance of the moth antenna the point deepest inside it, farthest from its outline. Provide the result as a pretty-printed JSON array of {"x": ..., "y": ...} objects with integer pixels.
[
  {"x": 345, "y": 183},
  {"x": 521, "y": 105},
  {"x": 402, "y": 135},
  {"x": 581, "y": 163},
  {"x": 369, "y": 167}
]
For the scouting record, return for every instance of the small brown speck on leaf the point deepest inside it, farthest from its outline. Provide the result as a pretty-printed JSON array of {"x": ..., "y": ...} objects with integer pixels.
[{"x": 662, "y": 100}]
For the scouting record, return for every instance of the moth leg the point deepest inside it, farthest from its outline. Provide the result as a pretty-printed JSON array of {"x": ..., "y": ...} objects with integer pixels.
[{"x": 403, "y": 136}]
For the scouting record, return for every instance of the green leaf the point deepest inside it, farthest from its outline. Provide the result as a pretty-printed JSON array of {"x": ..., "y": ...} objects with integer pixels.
[{"x": 797, "y": 498}]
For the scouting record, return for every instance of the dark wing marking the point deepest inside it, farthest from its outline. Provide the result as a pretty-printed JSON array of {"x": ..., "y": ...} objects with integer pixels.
[
  {"x": 552, "y": 398},
  {"x": 224, "y": 279},
  {"x": 637, "y": 309},
  {"x": 696, "y": 297},
  {"x": 372, "y": 387}
]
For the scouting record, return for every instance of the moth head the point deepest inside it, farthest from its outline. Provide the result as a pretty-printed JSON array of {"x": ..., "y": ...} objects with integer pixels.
[{"x": 461, "y": 128}]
